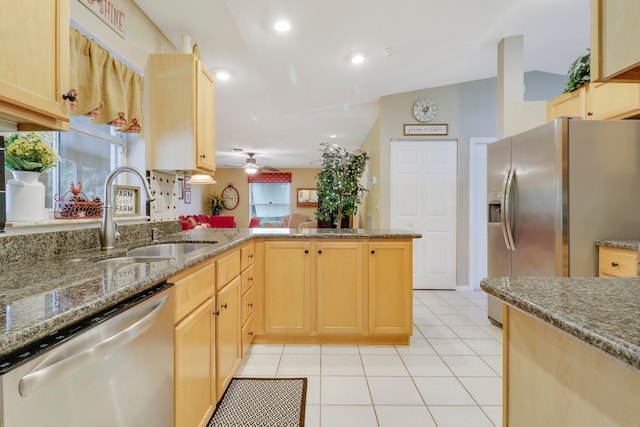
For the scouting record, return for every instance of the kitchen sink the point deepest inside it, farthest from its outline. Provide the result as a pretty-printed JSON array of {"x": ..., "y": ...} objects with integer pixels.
[
  {"x": 135, "y": 259},
  {"x": 168, "y": 250}
]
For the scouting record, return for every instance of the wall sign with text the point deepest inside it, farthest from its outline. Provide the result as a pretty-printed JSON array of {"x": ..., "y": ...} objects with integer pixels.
[
  {"x": 126, "y": 200},
  {"x": 425, "y": 130}
]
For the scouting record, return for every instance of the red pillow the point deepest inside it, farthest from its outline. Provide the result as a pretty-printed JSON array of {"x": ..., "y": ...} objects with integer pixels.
[
  {"x": 192, "y": 221},
  {"x": 202, "y": 218}
]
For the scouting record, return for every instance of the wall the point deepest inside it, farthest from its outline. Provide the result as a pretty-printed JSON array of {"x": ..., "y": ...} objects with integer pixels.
[
  {"x": 470, "y": 110},
  {"x": 300, "y": 178}
]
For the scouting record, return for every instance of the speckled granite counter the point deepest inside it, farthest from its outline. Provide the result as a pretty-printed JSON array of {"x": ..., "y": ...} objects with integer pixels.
[
  {"x": 43, "y": 295},
  {"x": 602, "y": 312},
  {"x": 622, "y": 244}
]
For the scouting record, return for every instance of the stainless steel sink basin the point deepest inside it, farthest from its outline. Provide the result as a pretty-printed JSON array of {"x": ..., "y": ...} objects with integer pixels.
[
  {"x": 134, "y": 259},
  {"x": 168, "y": 250}
]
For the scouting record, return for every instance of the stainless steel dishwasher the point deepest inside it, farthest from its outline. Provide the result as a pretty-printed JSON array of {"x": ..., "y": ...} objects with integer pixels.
[{"x": 113, "y": 369}]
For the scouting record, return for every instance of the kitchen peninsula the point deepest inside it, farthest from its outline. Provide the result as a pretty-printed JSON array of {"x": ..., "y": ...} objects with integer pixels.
[{"x": 571, "y": 350}]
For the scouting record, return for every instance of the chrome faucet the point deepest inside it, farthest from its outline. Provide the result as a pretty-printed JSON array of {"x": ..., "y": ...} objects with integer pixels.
[{"x": 108, "y": 227}]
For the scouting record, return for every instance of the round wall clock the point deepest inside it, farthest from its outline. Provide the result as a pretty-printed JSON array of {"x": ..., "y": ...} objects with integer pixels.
[
  {"x": 230, "y": 197},
  {"x": 425, "y": 110}
]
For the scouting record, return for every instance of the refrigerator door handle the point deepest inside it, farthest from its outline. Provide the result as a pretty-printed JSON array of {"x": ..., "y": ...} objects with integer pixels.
[
  {"x": 503, "y": 223},
  {"x": 508, "y": 227}
]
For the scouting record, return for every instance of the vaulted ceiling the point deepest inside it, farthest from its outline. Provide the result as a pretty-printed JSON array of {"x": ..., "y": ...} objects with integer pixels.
[{"x": 290, "y": 91}]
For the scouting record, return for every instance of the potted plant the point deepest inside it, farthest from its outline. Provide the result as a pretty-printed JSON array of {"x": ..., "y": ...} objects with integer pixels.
[
  {"x": 579, "y": 72},
  {"x": 339, "y": 189},
  {"x": 216, "y": 204}
]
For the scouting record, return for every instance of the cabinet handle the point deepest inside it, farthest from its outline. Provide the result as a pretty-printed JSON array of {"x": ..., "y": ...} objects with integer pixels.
[
  {"x": 306, "y": 251},
  {"x": 614, "y": 264},
  {"x": 69, "y": 96},
  {"x": 372, "y": 252},
  {"x": 216, "y": 313},
  {"x": 223, "y": 305},
  {"x": 250, "y": 304}
]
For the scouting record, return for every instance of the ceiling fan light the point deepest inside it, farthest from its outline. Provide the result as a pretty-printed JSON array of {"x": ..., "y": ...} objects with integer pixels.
[
  {"x": 251, "y": 170},
  {"x": 201, "y": 180}
]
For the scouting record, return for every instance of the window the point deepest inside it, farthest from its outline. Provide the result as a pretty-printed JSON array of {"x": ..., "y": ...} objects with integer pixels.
[
  {"x": 87, "y": 154},
  {"x": 269, "y": 201}
]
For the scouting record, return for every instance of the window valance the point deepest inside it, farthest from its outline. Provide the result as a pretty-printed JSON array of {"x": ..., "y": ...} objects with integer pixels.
[
  {"x": 278, "y": 177},
  {"x": 106, "y": 90}
]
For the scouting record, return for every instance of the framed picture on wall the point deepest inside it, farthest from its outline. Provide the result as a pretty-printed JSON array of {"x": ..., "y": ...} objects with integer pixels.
[
  {"x": 307, "y": 198},
  {"x": 187, "y": 185},
  {"x": 187, "y": 197},
  {"x": 180, "y": 188}
]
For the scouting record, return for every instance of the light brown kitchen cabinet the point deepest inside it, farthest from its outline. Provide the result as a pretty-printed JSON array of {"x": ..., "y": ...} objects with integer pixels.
[
  {"x": 287, "y": 287},
  {"x": 390, "y": 288},
  {"x": 615, "y": 53},
  {"x": 181, "y": 114},
  {"x": 34, "y": 68},
  {"x": 340, "y": 288},
  {"x": 249, "y": 300},
  {"x": 617, "y": 262},
  {"x": 597, "y": 101},
  {"x": 228, "y": 333},
  {"x": 194, "y": 341},
  {"x": 572, "y": 104}
]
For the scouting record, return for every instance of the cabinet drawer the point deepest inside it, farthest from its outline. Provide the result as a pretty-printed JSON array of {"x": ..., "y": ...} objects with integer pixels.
[
  {"x": 247, "y": 335},
  {"x": 247, "y": 305},
  {"x": 192, "y": 289},
  {"x": 618, "y": 262},
  {"x": 247, "y": 280},
  {"x": 246, "y": 256},
  {"x": 228, "y": 267}
]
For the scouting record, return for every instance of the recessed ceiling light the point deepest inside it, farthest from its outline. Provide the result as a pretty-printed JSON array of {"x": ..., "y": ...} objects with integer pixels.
[
  {"x": 333, "y": 135},
  {"x": 221, "y": 74},
  {"x": 357, "y": 57},
  {"x": 282, "y": 26}
]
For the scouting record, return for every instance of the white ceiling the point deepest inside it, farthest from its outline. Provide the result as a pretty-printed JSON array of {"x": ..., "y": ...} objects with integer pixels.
[{"x": 290, "y": 91}]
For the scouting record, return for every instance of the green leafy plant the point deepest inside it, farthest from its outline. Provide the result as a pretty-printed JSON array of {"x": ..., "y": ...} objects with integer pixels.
[
  {"x": 216, "y": 203},
  {"x": 28, "y": 152},
  {"x": 338, "y": 187},
  {"x": 579, "y": 72}
]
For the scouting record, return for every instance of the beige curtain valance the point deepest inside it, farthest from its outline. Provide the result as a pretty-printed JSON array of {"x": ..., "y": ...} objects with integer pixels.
[{"x": 106, "y": 90}]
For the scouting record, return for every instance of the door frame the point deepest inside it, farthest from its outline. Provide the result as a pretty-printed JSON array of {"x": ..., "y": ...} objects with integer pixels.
[{"x": 477, "y": 208}]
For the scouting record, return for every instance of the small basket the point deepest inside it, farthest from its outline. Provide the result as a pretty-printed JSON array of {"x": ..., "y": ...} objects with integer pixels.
[{"x": 75, "y": 209}]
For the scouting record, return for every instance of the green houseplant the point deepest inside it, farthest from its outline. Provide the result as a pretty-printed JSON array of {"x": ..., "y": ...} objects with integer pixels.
[
  {"x": 339, "y": 189},
  {"x": 579, "y": 72}
]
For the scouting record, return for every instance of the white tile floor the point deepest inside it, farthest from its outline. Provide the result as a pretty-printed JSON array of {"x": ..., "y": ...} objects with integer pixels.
[{"x": 450, "y": 374}]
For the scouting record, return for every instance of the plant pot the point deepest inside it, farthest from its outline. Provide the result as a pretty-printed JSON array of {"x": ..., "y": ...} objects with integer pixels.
[{"x": 25, "y": 197}]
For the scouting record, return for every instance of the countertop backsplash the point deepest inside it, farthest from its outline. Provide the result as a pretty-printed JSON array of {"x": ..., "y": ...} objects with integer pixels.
[{"x": 35, "y": 246}]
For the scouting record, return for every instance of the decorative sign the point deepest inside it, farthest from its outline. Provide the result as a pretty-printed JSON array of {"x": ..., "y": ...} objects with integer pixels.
[
  {"x": 127, "y": 200},
  {"x": 109, "y": 12},
  {"x": 423, "y": 130},
  {"x": 307, "y": 198}
]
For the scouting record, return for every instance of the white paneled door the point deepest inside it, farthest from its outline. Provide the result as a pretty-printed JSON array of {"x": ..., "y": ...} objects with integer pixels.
[{"x": 423, "y": 199}]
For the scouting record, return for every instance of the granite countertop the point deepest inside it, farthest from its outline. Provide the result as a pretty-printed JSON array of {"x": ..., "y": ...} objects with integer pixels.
[
  {"x": 622, "y": 244},
  {"x": 602, "y": 312},
  {"x": 44, "y": 295}
]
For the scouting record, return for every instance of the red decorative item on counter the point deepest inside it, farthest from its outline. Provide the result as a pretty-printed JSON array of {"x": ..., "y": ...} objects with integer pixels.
[{"x": 77, "y": 206}]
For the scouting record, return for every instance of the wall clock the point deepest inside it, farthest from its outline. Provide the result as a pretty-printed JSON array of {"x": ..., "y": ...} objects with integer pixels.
[
  {"x": 425, "y": 110},
  {"x": 230, "y": 197}
]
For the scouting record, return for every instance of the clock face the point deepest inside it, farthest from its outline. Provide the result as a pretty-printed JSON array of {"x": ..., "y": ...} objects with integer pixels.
[
  {"x": 425, "y": 110},
  {"x": 230, "y": 197}
]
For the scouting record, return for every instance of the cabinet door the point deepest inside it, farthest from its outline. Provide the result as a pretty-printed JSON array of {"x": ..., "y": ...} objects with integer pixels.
[
  {"x": 339, "y": 287},
  {"x": 34, "y": 69},
  {"x": 228, "y": 334},
  {"x": 287, "y": 288},
  {"x": 613, "y": 100},
  {"x": 205, "y": 121},
  {"x": 390, "y": 288},
  {"x": 573, "y": 104},
  {"x": 195, "y": 396}
]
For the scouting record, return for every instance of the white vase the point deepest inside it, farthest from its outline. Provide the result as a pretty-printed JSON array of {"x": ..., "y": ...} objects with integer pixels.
[
  {"x": 185, "y": 45},
  {"x": 25, "y": 197}
]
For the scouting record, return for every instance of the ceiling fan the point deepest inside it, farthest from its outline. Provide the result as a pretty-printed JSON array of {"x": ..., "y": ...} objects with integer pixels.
[{"x": 251, "y": 166}]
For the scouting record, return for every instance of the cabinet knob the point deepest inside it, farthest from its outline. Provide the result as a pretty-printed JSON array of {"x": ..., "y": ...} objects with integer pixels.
[
  {"x": 203, "y": 156},
  {"x": 306, "y": 251},
  {"x": 251, "y": 278},
  {"x": 589, "y": 113},
  {"x": 372, "y": 252},
  {"x": 69, "y": 96},
  {"x": 216, "y": 313},
  {"x": 250, "y": 255},
  {"x": 223, "y": 305},
  {"x": 250, "y": 305},
  {"x": 250, "y": 333},
  {"x": 319, "y": 252},
  {"x": 614, "y": 264}
]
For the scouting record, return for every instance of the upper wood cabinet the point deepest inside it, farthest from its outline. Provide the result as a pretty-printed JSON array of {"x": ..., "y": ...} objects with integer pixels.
[
  {"x": 34, "y": 67},
  {"x": 598, "y": 101},
  {"x": 182, "y": 114},
  {"x": 615, "y": 52}
]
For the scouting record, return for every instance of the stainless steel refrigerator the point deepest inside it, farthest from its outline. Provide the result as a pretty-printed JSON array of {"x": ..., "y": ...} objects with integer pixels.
[{"x": 553, "y": 191}]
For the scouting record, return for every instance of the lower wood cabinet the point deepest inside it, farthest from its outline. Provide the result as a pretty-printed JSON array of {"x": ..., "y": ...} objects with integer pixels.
[
  {"x": 228, "y": 338},
  {"x": 617, "y": 262},
  {"x": 330, "y": 291}
]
